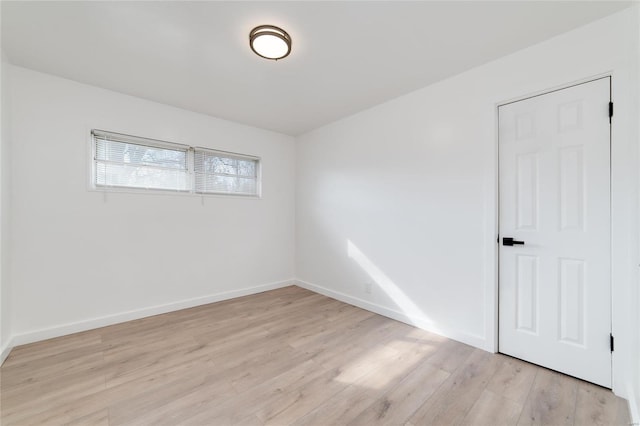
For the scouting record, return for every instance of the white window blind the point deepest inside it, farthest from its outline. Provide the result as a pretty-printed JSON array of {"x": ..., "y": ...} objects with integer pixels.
[
  {"x": 221, "y": 172},
  {"x": 131, "y": 162},
  {"x": 123, "y": 161}
]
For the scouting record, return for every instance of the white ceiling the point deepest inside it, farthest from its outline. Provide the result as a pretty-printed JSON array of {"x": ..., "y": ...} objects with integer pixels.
[{"x": 346, "y": 57}]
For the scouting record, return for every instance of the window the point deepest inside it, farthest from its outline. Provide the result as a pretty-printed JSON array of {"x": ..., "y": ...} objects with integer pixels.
[
  {"x": 129, "y": 162},
  {"x": 122, "y": 161},
  {"x": 218, "y": 172}
]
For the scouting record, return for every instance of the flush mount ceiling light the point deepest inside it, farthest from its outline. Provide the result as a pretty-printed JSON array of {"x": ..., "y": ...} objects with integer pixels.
[{"x": 270, "y": 42}]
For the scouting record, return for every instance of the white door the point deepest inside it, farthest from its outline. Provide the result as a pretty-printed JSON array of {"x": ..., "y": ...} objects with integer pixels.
[{"x": 555, "y": 292}]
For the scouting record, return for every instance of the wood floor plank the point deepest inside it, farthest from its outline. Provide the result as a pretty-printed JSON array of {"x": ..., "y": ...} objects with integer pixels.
[
  {"x": 43, "y": 378},
  {"x": 623, "y": 416},
  {"x": 513, "y": 379},
  {"x": 459, "y": 392},
  {"x": 150, "y": 407},
  {"x": 39, "y": 404},
  {"x": 552, "y": 400},
  {"x": 450, "y": 355},
  {"x": 99, "y": 418},
  {"x": 287, "y": 356},
  {"x": 341, "y": 333},
  {"x": 493, "y": 409},
  {"x": 89, "y": 402},
  {"x": 60, "y": 363},
  {"x": 297, "y": 403},
  {"x": 595, "y": 405},
  {"x": 396, "y": 406},
  {"x": 385, "y": 367},
  {"x": 53, "y": 388},
  {"x": 267, "y": 393}
]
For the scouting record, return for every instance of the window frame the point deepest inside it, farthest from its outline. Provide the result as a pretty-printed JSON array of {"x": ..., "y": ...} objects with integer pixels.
[
  {"x": 233, "y": 155},
  {"x": 190, "y": 162}
]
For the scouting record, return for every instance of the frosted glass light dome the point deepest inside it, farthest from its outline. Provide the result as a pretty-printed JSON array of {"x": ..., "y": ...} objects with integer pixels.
[{"x": 270, "y": 42}]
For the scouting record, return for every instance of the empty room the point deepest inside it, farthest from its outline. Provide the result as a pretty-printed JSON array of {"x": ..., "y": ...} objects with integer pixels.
[{"x": 320, "y": 213}]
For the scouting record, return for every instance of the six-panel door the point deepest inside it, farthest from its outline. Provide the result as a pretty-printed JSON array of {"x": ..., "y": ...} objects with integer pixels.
[{"x": 555, "y": 292}]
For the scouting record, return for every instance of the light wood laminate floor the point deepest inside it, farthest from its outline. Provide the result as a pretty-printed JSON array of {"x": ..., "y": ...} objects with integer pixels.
[{"x": 287, "y": 356}]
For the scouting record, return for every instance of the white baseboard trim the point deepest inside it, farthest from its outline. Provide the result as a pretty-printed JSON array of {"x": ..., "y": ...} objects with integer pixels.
[
  {"x": 422, "y": 323},
  {"x": 90, "y": 324},
  {"x": 4, "y": 353}
]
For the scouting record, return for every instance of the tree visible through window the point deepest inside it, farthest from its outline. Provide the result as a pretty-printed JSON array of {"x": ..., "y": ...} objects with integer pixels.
[
  {"x": 131, "y": 162},
  {"x": 219, "y": 172}
]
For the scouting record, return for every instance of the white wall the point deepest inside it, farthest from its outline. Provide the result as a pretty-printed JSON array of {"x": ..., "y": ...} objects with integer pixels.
[
  {"x": 636, "y": 353},
  {"x": 5, "y": 224},
  {"x": 82, "y": 259},
  {"x": 404, "y": 194}
]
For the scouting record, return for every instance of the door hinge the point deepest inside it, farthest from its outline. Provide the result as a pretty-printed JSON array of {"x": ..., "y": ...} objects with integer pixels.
[
  {"x": 610, "y": 111},
  {"x": 611, "y": 341}
]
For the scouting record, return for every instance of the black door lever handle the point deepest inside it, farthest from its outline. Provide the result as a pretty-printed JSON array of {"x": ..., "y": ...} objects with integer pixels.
[{"x": 508, "y": 241}]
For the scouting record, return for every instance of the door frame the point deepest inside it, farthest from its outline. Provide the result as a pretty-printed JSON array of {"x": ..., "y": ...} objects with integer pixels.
[
  {"x": 616, "y": 240},
  {"x": 609, "y": 77}
]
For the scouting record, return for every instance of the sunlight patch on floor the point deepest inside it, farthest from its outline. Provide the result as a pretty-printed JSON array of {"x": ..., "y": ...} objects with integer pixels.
[{"x": 371, "y": 360}]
